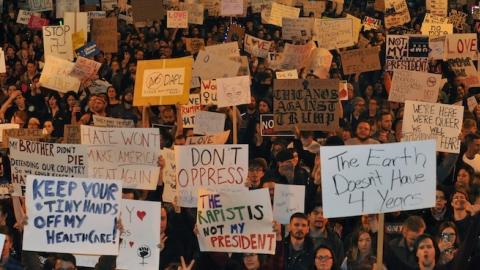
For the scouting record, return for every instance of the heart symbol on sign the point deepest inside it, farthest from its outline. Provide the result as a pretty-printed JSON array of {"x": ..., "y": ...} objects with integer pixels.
[
  {"x": 141, "y": 214},
  {"x": 38, "y": 206},
  {"x": 131, "y": 243}
]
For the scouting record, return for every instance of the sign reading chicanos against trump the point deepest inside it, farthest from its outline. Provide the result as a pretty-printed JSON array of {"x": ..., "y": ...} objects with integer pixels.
[
  {"x": 235, "y": 221},
  {"x": 381, "y": 178},
  {"x": 216, "y": 167}
]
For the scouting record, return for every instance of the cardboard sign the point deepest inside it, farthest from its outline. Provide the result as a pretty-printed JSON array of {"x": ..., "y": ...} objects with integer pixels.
[
  {"x": 147, "y": 10},
  {"x": 407, "y": 52},
  {"x": 72, "y": 215},
  {"x": 57, "y": 41},
  {"x": 189, "y": 111},
  {"x": 6, "y": 127},
  {"x": 37, "y": 23},
  {"x": 229, "y": 49},
  {"x": 360, "y": 60},
  {"x": 24, "y": 16},
  {"x": 396, "y": 13},
  {"x": 219, "y": 138},
  {"x": 195, "y": 12},
  {"x": 109, "y": 4},
  {"x": 246, "y": 230},
  {"x": 165, "y": 81},
  {"x": 415, "y": 85},
  {"x": 334, "y": 33},
  {"x": 85, "y": 68},
  {"x": 267, "y": 127},
  {"x": 71, "y": 134},
  {"x": 207, "y": 123},
  {"x": 437, "y": 48},
  {"x": 430, "y": 18},
  {"x": 208, "y": 92},
  {"x": 104, "y": 33},
  {"x": 177, "y": 19},
  {"x": 314, "y": 8},
  {"x": 290, "y": 108},
  {"x": 458, "y": 19},
  {"x": 440, "y": 122},
  {"x": 40, "y": 5},
  {"x": 48, "y": 159},
  {"x": 377, "y": 178},
  {"x": 465, "y": 70},
  {"x": 102, "y": 121},
  {"x": 235, "y": 33},
  {"x": 89, "y": 50},
  {"x": 320, "y": 62},
  {"x": 437, "y": 29},
  {"x": 94, "y": 15},
  {"x": 287, "y": 74},
  {"x": 66, "y": 6},
  {"x": 277, "y": 12},
  {"x": 297, "y": 28},
  {"x": 3, "y": 68},
  {"x": 127, "y": 154},
  {"x": 370, "y": 23},
  {"x": 287, "y": 200},
  {"x": 141, "y": 222},
  {"x": 437, "y": 7},
  {"x": 78, "y": 22},
  {"x": 231, "y": 7},
  {"x": 20, "y": 133},
  {"x": 294, "y": 56},
  {"x": 169, "y": 176},
  {"x": 233, "y": 91},
  {"x": 56, "y": 75},
  {"x": 194, "y": 45},
  {"x": 256, "y": 46},
  {"x": 461, "y": 45},
  {"x": 216, "y": 167},
  {"x": 357, "y": 27}
]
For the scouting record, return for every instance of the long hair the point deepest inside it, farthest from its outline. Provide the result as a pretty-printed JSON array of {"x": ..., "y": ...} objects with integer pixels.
[{"x": 353, "y": 253}]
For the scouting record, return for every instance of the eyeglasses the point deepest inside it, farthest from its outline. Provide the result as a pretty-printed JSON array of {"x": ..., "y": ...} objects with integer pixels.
[{"x": 323, "y": 258}]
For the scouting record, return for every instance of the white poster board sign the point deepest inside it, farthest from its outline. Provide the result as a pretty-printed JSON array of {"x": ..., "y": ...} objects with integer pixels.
[
  {"x": 56, "y": 75},
  {"x": 288, "y": 200},
  {"x": 415, "y": 85},
  {"x": 207, "y": 123},
  {"x": 233, "y": 91},
  {"x": 102, "y": 121},
  {"x": 57, "y": 41},
  {"x": 378, "y": 178},
  {"x": 169, "y": 175}
]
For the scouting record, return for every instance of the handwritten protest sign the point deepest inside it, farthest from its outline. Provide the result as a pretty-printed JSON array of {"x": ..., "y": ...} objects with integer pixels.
[
  {"x": 94, "y": 15},
  {"x": 294, "y": 56},
  {"x": 360, "y": 60},
  {"x": 210, "y": 66},
  {"x": 309, "y": 104},
  {"x": 57, "y": 41},
  {"x": 233, "y": 91},
  {"x": 314, "y": 8},
  {"x": 169, "y": 175},
  {"x": 208, "y": 92},
  {"x": 37, "y": 22},
  {"x": 165, "y": 81},
  {"x": 333, "y": 33},
  {"x": 407, "y": 52},
  {"x": 231, "y": 7},
  {"x": 3, "y": 68},
  {"x": 24, "y": 16},
  {"x": 277, "y": 12},
  {"x": 461, "y": 45},
  {"x": 267, "y": 127},
  {"x": 465, "y": 70},
  {"x": 207, "y": 123},
  {"x": 216, "y": 167},
  {"x": 437, "y": 48},
  {"x": 430, "y": 18},
  {"x": 245, "y": 225},
  {"x": 287, "y": 74},
  {"x": 104, "y": 33},
  {"x": 20, "y": 133},
  {"x": 127, "y": 154},
  {"x": 72, "y": 215},
  {"x": 177, "y": 19},
  {"x": 71, "y": 134},
  {"x": 141, "y": 222},
  {"x": 256, "y": 46},
  {"x": 102, "y": 121},
  {"x": 195, "y": 12},
  {"x": 471, "y": 103},
  {"x": 85, "y": 68},
  {"x": 194, "y": 45},
  {"x": 297, "y": 28},
  {"x": 370, "y": 23},
  {"x": 320, "y": 62},
  {"x": 147, "y": 10},
  {"x": 56, "y": 75},
  {"x": 437, "y": 29},
  {"x": 218, "y": 138},
  {"x": 189, "y": 111},
  {"x": 287, "y": 200},
  {"x": 458, "y": 19},
  {"x": 6, "y": 127},
  {"x": 48, "y": 159},
  {"x": 229, "y": 49},
  {"x": 437, "y": 7},
  {"x": 66, "y": 6},
  {"x": 415, "y": 85},
  {"x": 396, "y": 13},
  {"x": 377, "y": 178},
  {"x": 441, "y": 122},
  {"x": 40, "y": 5}
]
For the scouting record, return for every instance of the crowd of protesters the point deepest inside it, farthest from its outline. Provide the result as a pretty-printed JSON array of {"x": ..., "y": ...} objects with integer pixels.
[{"x": 443, "y": 237}]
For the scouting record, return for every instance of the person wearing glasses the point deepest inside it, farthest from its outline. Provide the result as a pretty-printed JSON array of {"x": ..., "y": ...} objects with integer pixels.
[
  {"x": 447, "y": 242},
  {"x": 324, "y": 258}
]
